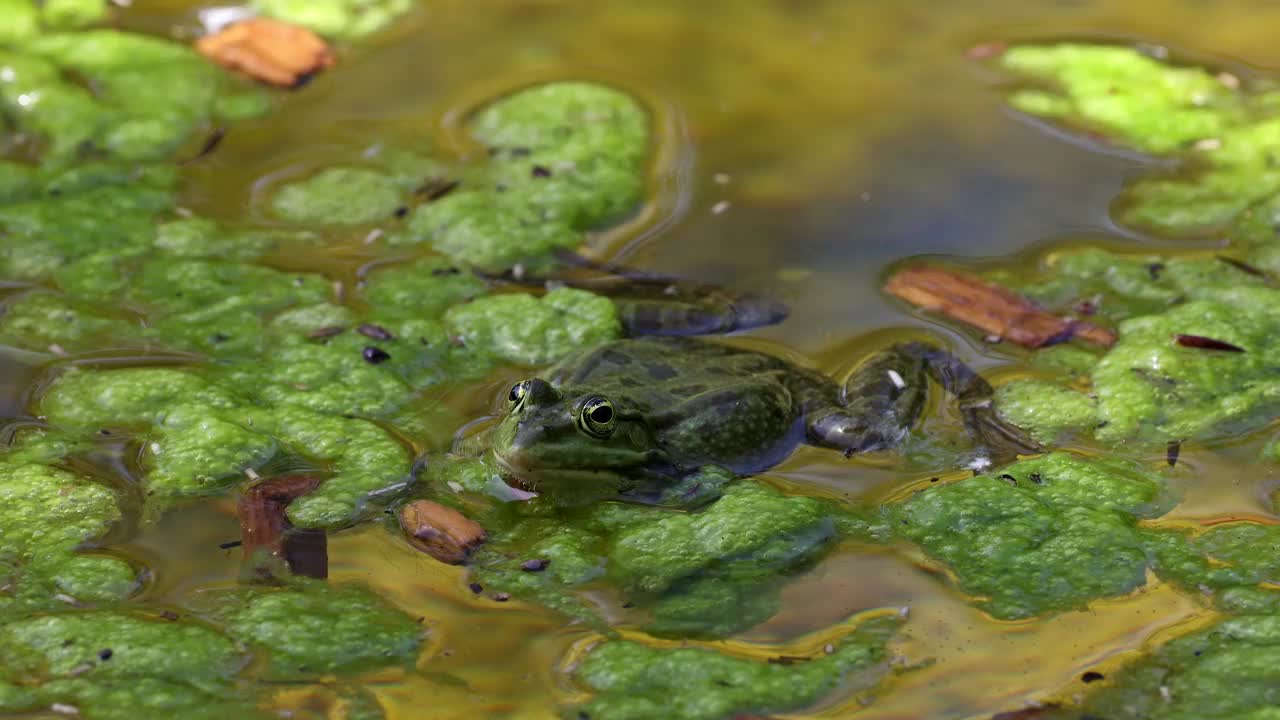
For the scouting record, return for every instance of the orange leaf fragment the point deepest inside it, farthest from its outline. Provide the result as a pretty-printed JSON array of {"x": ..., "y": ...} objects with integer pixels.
[
  {"x": 441, "y": 532},
  {"x": 992, "y": 309},
  {"x": 268, "y": 50}
]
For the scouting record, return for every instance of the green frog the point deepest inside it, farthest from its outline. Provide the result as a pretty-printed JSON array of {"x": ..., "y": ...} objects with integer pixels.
[{"x": 634, "y": 418}]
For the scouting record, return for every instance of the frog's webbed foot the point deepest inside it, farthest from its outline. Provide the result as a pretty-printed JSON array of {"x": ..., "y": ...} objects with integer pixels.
[
  {"x": 655, "y": 304},
  {"x": 881, "y": 402},
  {"x": 975, "y": 399}
]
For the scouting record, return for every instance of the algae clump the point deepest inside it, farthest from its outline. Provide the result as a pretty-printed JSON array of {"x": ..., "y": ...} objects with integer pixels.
[{"x": 633, "y": 681}]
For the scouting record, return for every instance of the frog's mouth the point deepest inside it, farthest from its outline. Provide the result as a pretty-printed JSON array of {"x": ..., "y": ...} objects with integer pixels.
[{"x": 523, "y": 476}]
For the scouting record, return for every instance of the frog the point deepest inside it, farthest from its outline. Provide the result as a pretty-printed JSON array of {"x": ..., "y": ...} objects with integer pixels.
[{"x": 633, "y": 418}]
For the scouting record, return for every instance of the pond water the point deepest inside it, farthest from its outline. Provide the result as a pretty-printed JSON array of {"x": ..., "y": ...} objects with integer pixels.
[{"x": 804, "y": 147}]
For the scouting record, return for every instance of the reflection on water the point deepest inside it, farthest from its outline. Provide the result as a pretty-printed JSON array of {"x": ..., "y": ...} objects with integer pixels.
[{"x": 818, "y": 141}]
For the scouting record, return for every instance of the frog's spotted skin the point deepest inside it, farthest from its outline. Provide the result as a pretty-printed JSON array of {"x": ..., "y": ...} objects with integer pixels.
[{"x": 633, "y": 416}]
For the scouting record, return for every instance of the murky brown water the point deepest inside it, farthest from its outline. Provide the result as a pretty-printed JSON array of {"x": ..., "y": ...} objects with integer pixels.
[{"x": 843, "y": 136}]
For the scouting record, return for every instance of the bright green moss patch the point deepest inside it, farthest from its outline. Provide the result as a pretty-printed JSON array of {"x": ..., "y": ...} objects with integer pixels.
[
  {"x": 566, "y": 158},
  {"x": 636, "y": 682},
  {"x": 51, "y": 510},
  {"x": 1041, "y": 535},
  {"x": 532, "y": 331},
  {"x": 313, "y": 628},
  {"x": 47, "y": 514},
  {"x": 711, "y": 572},
  {"x": 336, "y": 18},
  {"x": 1228, "y": 671},
  {"x": 339, "y": 196},
  {"x": 751, "y": 523},
  {"x": 1045, "y": 409},
  {"x": 22, "y": 20},
  {"x": 42, "y": 320},
  {"x": 111, "y": 214},
  {"x": 1128, "y": 285},
  {"x": 1230, "y": 135},
  {"x": 1151, "y": 387},
  {"x": 203, "y": 238},
  {"x": 1122, "y": 93},
  {"x": 91, "y": 400},
  {"x": 205, "y": 437},
  {"x": 72, "y": 14},
  {"x": 1148, "y": 386},
  {"x": 113, "y": 665},
  {"x": 143, "y": 97},
  {"x": 1237, "y": 563},
  {"x": 424, "y": 288}
]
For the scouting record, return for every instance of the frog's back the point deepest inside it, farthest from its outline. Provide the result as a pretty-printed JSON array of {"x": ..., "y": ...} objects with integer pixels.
[{"x": 661, "y": 371}]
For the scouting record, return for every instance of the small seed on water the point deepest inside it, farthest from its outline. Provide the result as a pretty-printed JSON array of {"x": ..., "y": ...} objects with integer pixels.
[
  {"x": 377, "y": 332},
  {"x": 1206, "y": 343}
]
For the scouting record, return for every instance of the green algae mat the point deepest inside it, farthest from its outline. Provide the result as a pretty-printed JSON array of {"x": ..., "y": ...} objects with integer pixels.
[{"x": 207, "y": 285}]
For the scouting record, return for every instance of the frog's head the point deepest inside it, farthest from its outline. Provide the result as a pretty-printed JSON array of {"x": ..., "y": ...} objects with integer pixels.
[{"x": 581, "y": 442}]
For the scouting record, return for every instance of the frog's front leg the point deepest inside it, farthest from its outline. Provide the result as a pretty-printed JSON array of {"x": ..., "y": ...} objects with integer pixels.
[{"x": 883, "y": 400}]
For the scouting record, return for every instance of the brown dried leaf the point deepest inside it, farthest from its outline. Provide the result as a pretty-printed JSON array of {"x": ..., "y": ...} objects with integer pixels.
[
  {"x": 274, "y": 52},
  {"x": 990, "y": 308},
  {"x": 264, "y": 526},
  {"x": 441, "y": 532}
]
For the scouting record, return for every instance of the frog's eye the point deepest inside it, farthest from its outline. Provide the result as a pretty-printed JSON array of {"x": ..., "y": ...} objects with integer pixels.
[
  {"x": 597, "y": 417},
  {"x": 518, "y": 393}
]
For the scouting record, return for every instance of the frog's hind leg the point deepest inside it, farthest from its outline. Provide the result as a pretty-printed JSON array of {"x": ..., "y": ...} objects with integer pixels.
[
  {"x": 879, "y": 404},
  {"x": 656, "y": 304},
  {"x": 975, "y": 399},
  {"x": 883, "y": 399}
]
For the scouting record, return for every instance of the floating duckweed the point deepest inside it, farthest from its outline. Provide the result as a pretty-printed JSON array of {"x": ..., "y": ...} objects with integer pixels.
[
  {"x": 711, "y": 572},
  {"x": 1123, "y": 93},
  {"x": 339, "y": 196},
  {"x": 1042, "y": 535},
  {"x": 524, "y": 329},
  {"x": 1231, "y": 135},
  {"x": 313, "y": 628},
  {"x": 72, "y": 14},
  {"x": 47, "y": 514},
  {"x": 1149, "y": 386},
  {"x": 336, "y": 18},
  {"x": 148, "y": 95},
  {"x": 118, "y": 665},
  {"x": 1045, "y": 409},
  {"x": 1231, "y": 556},
  {"x": 566, "y": 158},
  {"x": 1228, "y": 670},
  {"x": 633, "y": 681}
]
